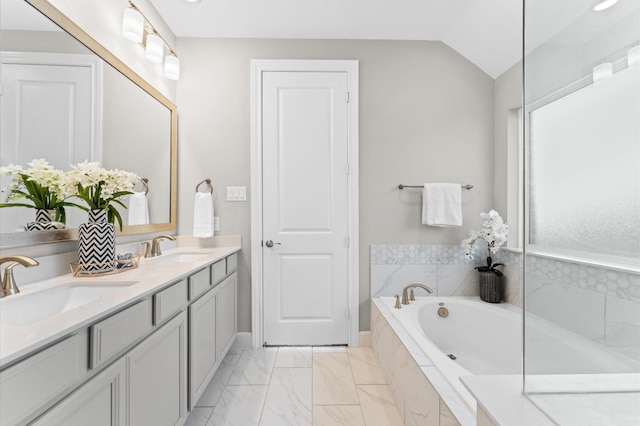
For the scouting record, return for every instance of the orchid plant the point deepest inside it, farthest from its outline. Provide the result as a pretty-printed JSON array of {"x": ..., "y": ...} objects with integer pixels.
[
  {"x": 494, "y": 232},
  {"x": 40, "y": 184},
  {"x": 100, "y": 188}
]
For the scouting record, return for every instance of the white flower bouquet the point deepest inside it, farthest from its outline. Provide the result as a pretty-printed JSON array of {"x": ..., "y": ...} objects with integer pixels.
[
  {"x": 40, "y": 184},
  {"x": 101, "y": 188},
  {"x": 494, "y": 232}
]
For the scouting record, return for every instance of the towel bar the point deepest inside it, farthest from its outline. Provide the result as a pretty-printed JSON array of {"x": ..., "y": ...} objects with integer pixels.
[
  {"x": 208, "y": 182},
  {"x": 401, "y": 186}
]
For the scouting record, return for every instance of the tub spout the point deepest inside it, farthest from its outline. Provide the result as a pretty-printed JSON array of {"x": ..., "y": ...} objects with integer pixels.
[{"x": 405, "y": 295}]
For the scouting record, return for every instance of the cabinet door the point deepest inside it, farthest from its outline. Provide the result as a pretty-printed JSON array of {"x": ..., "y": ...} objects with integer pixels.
[
  {"x": 157, "y": 372},
  {"x": 228, "y": 303},
  {"x": 101, "y": 401},
  {"x": 202, "y": 344}
]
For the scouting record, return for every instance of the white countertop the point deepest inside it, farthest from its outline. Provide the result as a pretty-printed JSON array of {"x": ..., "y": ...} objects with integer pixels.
[{"x": 151, "y": 276}]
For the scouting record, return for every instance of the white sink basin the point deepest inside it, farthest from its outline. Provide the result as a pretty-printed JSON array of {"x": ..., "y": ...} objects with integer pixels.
[
  {"x": 30, "y": 308},
  {"x": 179, "y": 257}
]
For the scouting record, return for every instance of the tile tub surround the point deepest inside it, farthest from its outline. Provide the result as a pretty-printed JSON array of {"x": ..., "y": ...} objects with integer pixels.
[
  {"x": 297, "y": 386},
  {"x": 443, "y": 267},
  {"x": 421, "y": 394},
  {"x": 596, "y": 302}
]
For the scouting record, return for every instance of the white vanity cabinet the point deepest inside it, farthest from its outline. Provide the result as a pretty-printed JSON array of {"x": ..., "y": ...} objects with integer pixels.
[
  {"x": 203, "y": 357},
  {"x": 99, "y": 402},
  {"x": 157, "y": 376},
  {"x": 228, "y": 290},
  {"x": 212, "y": 328},
  {"x": 144, "y": 364}
]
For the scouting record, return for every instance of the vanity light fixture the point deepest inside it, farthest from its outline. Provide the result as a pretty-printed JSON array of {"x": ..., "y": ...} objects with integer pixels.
[
  {"x": 604, "y": 4},
  {"x": 132, "y": 25},
  {"x": 137, "y": 28},
  {"x": 155, "y": 48},
  {"x": 172, "y": 67}
]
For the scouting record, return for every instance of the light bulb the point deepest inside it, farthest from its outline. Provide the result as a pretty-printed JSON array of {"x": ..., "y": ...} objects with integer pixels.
[
  {"x": 155, "y": 48},
  {"x": 171, "y": 67},
  {"x": 132, "y": 25}
]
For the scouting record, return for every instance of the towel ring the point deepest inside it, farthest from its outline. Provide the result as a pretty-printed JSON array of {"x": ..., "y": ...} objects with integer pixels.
[
  {"x": 145, "y": 183},
  {"x": 208, "y": 182}
]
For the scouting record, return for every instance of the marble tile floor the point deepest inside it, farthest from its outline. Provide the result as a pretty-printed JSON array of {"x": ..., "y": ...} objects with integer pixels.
[{"x": 297, "y": 386}]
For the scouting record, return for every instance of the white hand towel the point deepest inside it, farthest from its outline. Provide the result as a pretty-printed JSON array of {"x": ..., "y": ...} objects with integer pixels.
[
  {"x": 442, "y": 204},
  {"x": 138, "y": 209},
  {"x": 203, "y": 215}
]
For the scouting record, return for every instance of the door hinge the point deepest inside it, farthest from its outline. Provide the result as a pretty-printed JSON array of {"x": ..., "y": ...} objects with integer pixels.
[
  {"x": 348, "y": 97},
  {"x": 348, "y": 241},
  {"x": 347, "y": 169}
]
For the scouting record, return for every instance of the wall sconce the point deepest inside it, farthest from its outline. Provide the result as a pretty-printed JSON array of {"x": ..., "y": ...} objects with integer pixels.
[
  {"x": 132, "y": 25},
  {"x": 137, "y": 28}
]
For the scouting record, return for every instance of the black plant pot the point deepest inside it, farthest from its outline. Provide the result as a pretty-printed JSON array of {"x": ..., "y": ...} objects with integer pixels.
[{"x": 490, "y": 287}]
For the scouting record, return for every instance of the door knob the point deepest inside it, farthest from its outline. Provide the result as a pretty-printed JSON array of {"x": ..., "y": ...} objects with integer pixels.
[{"x": 270, "y": 243}]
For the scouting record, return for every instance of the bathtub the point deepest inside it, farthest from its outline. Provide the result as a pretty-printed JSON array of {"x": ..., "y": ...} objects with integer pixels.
[
  {"x": 475, "y": 338},
  {"x": 471, "y": 337}
]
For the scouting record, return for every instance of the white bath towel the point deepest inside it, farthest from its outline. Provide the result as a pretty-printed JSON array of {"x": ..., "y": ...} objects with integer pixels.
[
  {"x": 442, "y": 204},
  {"x": 138, "y": 209},
  {"x": 203, "y": 215}
]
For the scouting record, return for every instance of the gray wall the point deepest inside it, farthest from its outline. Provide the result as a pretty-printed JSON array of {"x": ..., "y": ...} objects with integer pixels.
[
  {"x": 507, "y": 98},
  {"x": 426, "y": 115}
]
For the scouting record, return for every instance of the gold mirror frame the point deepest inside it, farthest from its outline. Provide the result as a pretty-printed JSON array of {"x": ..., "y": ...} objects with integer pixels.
[{"x": 19, "y": 239}]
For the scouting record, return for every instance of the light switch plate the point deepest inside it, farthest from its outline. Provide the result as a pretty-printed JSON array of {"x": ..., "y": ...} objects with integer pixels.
[
  {"x": 236, "y": 193},
  {"x": 216, "y": 223}
]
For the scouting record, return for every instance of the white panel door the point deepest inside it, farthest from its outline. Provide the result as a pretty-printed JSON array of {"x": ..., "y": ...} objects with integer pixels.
[
  {"x": 46, "y": 113},
  {"x": 305, "y": 208}
]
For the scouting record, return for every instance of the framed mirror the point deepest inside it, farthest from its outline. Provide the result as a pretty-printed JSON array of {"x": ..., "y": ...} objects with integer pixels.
[{"x": 118, "y": 120}]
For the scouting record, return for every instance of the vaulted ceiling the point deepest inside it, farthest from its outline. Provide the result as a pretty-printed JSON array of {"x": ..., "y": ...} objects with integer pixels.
[{"x": 486, "y": 32}]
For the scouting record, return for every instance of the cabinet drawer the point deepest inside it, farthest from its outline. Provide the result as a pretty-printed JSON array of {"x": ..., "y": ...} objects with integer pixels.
[
  {"x": 169, "y": 301},
  {"x": 32, "y": 383},
  {"x": 232, "y": 263},
  {"x": 110, "y": 336},
  {"x": 218, "y": 271},
  {"x": 199, "y": 283}
]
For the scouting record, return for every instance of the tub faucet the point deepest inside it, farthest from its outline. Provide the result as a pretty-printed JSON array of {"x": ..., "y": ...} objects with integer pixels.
[
  {"x": 405, "y": 295},
  {"x": 155, "y": 244},
  {"x": 9, "y": 286}
]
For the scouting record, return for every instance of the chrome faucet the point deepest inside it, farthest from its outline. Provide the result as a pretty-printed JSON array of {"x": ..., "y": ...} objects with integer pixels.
[
  {"x": 9, "y": 286},
  {"x": 147, "y": 248},
  {"x": 155, "y": 244},
  {"x": 405, "y": 295}
]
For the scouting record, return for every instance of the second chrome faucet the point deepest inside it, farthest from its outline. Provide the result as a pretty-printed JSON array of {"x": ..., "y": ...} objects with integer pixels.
[
  {"x": 406, "y": 296},
  {"x": 155, "y": 245}
]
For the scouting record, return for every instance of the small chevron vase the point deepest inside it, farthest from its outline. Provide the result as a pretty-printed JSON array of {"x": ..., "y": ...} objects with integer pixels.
[
  {"x": 96, "y": 243},
  {"x": 44, "y": 221}
]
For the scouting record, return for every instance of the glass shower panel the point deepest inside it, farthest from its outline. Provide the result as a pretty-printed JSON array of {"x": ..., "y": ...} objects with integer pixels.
[{"x": 581, "y": 288}]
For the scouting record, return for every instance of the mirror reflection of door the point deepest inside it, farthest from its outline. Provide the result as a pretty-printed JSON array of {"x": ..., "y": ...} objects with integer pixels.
[{"x": 51, "y": 107}]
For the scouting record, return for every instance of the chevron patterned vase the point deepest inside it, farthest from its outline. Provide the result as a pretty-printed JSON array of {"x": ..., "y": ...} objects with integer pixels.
[
  {"x": 96, "y": 243},
  {"x": 44, "y": 221}
]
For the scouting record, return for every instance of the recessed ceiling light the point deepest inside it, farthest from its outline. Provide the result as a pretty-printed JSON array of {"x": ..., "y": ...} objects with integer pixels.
[
  {"x": 196, "y": 1},
  {"x": 605, "y": 4}
]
